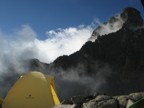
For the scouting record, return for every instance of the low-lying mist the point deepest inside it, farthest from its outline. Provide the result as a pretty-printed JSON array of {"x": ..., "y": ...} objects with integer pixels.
[
  {"x": 23, "y": 44},
  {"x": 76, "y": 81}
]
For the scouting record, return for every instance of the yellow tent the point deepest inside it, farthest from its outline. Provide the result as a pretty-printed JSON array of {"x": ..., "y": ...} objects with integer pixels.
[
  {"x": 32, "y": 90},
  {"x": 1, "y": 100}
]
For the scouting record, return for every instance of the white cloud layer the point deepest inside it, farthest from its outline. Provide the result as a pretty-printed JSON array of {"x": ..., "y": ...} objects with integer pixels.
[
  {"x": 23, "y": 44},
  {"x": 26, "y": 45},
  {"x": 62, "y": 42},
  {"x": 113, "y": 25}
]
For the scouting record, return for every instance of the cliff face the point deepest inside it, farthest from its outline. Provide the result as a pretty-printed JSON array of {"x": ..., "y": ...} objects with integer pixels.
[
  {"x": 130, "y": 18},
  {"x": 121, "y": 51},
  {"x": 113, "y": 48},
  {"x": 110, "y": 63}
]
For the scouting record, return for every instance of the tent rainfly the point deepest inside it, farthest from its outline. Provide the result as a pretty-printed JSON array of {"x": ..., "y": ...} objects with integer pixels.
[
  {"x": 1, "y": 101},
  {"x": 138, "y": 104},
  {"x": 32, "y": 90}
]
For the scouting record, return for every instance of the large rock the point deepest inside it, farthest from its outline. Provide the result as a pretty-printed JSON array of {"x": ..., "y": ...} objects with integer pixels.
[
  {"x": 109, "y": 103},
  {"x": 136, "y": 96},
  {"x": 105, "y": 101},
  {"x": 122, "y": 101}
]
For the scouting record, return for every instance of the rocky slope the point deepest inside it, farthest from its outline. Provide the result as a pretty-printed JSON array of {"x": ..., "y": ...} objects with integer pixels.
[
  {"x": 109, "y": 63},
  {"x": 102, "y": 101},
  {"x": 114, "y": 48},
  {"x": 114, "y": 61},
  {"x": 118, "y": 56}
]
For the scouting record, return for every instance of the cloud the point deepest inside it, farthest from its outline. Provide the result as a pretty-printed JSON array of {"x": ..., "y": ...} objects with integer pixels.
[
  {"x": 113, "y": 25},
  {"x": 62, "y": 42},
  {"x": 76, "y": 81},
  {"x": 22, "y": 44}
]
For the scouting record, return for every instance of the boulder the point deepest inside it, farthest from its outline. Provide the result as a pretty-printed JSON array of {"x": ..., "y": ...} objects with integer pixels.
[
  {"x": 122, "y": 101},
  {"x": 136, "y": 96},
  {"x": 110, "y": 103}
]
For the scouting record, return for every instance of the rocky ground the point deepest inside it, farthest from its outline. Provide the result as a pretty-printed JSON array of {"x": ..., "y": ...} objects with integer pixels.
[{"x": 101, "y": 101}]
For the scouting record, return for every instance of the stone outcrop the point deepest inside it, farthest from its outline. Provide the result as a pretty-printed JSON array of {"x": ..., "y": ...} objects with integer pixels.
[
  {"x": 121, "y": 51},
  {"x": 104, "y": 101}
]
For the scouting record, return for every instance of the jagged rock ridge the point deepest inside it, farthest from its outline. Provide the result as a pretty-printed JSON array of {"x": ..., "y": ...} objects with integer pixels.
[
  {"x": 130, "y": 18},
  {"x": 118, "y": 57},
  {"x": 122, "y": 51}
]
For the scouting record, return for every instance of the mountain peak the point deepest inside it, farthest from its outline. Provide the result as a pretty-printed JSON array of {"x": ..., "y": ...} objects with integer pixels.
[{"x": 132, "y": 18}]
